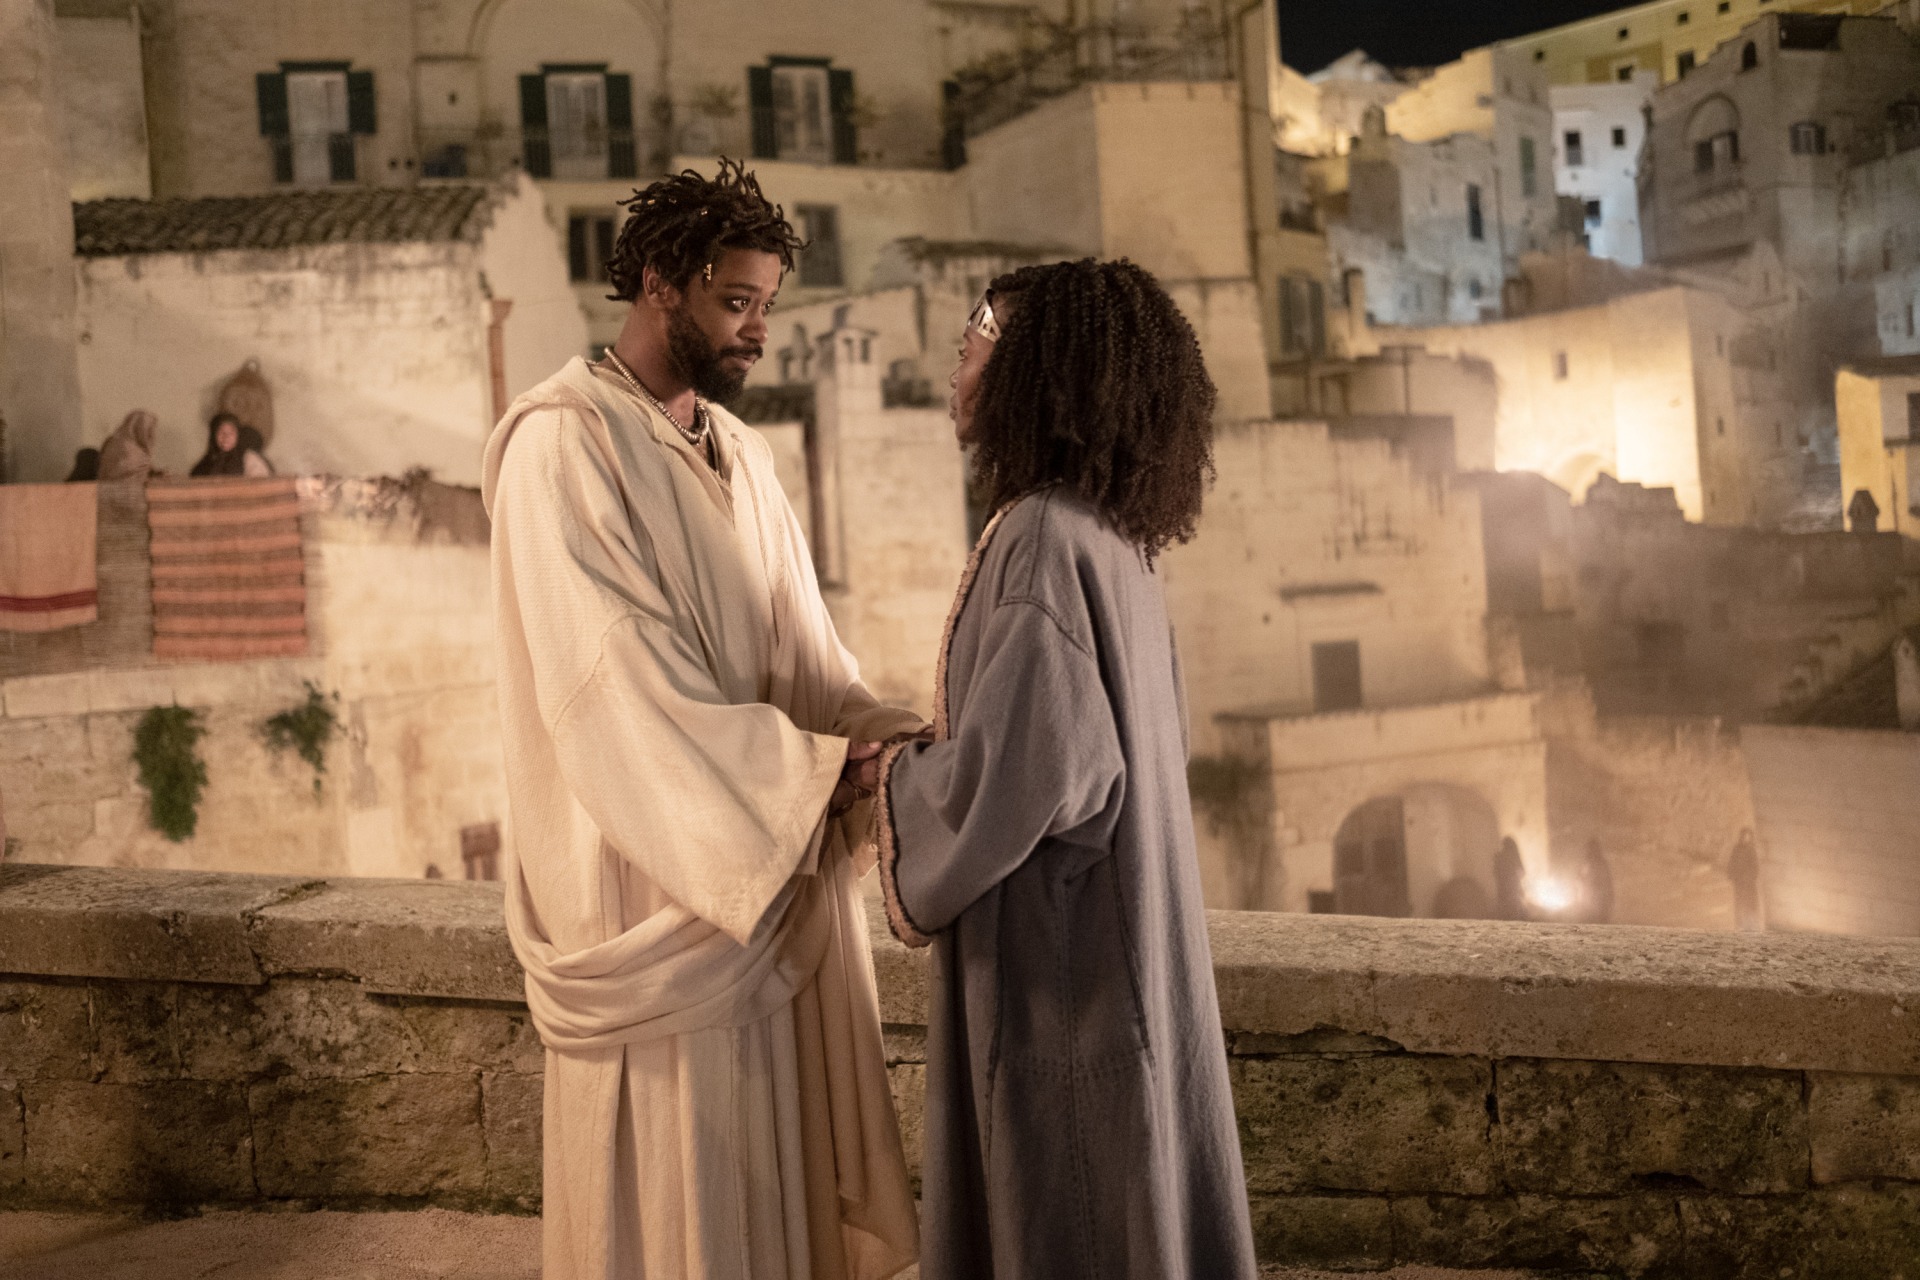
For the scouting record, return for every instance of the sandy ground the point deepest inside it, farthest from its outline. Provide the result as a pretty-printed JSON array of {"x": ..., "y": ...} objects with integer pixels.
[{"x": 424, "y": 1245}]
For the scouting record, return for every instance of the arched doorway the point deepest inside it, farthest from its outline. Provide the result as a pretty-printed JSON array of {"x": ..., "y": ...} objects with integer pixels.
[
  {"x": 1370, "y": 860},
  {"x": 1426, "y": 850}
]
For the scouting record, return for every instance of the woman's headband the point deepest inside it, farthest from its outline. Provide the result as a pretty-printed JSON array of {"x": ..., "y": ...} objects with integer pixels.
[{"x": 982, "y": 320}]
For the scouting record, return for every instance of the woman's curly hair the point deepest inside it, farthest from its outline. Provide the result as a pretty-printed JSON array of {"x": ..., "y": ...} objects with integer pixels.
[
  {"x": 681, "y": 224},
  {"x": 1097, "y": 382}
]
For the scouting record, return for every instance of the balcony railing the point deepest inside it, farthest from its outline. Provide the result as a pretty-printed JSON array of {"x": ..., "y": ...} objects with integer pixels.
[
  {"x": 490, "y": 151},
  {"x": 997, "y": 90}
]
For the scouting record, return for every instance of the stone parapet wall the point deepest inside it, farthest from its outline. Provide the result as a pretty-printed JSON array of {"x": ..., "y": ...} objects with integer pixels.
[{"x": 1636, "y": 1101}]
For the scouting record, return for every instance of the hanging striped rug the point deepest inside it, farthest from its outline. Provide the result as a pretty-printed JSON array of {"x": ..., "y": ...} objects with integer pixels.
[{"x": 228, "y": 577}]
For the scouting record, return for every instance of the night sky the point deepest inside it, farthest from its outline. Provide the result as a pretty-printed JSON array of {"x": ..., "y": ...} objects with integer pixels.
[{"x": 1415, "y": 33}]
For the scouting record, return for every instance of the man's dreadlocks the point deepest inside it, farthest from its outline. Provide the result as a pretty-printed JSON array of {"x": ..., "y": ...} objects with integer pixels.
[
  {"x": 681, "y": 224},
  {"x": 1097, "y": 382}
]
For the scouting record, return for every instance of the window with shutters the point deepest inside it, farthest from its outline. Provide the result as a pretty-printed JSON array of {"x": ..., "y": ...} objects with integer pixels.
[
  {"x": 1593, "y": 213},
  {"x": 1303, "y": 325},
  {"x": 317, "y": 112},
  {"x": 1808, "y": 138},
  {"x": 589, "y": 246},
  {"x": 310, "y": 114},
  {"x": 576, "y": 123},
  {"x": 1476, "y": 220},
  {"x": 819, "y": 265},
  {"x": 1529, "y": 176},
  {"x": 1576, "y": 151},
  {"x": 803, "y": 109},
  {"x": 802, "y": 127},
  {"x": 1619, "y": 137}
]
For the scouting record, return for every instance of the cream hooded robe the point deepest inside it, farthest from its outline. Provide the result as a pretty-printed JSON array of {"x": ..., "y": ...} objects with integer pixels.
[{"x": 676, "y": 710}]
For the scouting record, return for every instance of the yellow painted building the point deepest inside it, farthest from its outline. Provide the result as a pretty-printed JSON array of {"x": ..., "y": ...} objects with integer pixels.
[
  {"x": 1878, "y": 403},
  {"x": 1667, "y": 36}
]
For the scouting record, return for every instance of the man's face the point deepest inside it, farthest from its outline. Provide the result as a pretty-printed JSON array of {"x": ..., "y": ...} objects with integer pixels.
[{"x": 715, "y": 332}]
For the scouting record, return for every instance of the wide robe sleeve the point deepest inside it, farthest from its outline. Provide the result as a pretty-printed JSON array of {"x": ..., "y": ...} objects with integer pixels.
[
  {"x": 1034, "y": 755},
  {"x": 718, "y": 802}
]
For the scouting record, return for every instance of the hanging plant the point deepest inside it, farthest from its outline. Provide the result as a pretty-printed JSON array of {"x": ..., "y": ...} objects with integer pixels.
[
  {"x": 165, "y": 746},
  {"x": 306, "y": 727}
]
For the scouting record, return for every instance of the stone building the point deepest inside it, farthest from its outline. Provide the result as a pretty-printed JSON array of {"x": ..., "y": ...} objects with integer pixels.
[
  {"x": 1670, "y": 38},
  {"x": 1880, "y": 234},
  {"x": 854, "y": 113},
  {"x": 1417, "y": 224},
  {"x": 1670, "y": 386},
  {"x": 1745, "y": 179},
  {"x": 1446, "y": 182}
]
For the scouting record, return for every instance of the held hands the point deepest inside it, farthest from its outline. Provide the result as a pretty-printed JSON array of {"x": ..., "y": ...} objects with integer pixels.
[
  {"x": 861, "y": 776},
  {"x": 858, "y": 779}
]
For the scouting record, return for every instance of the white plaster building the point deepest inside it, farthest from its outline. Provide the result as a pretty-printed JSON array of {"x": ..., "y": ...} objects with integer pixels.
[
  {"x": 1597, "y": 132},
  {"x": 393, "y": 326}
]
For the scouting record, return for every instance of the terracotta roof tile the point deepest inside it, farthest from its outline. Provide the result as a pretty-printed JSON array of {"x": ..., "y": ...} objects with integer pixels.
[{"x": 283, "y": 220}]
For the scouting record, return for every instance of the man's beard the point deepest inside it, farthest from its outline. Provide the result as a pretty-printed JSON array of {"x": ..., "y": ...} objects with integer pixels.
[{"x": 699, "y": 363}]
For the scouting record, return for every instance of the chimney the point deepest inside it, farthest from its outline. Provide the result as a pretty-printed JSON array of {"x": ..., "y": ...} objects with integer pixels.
[{"x": 846, "y": 399}]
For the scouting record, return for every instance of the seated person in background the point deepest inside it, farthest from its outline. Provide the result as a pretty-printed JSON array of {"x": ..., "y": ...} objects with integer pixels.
[
  {"x": 86, "y": 466},
  {"x": 127, "y": 454},
  {"x": 232, "y": 450}
]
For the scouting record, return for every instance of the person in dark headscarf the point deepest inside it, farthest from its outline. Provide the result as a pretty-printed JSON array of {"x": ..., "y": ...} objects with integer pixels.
[
  {"x": 229, "y": 450},
  {"x": 86, "y": 466}
]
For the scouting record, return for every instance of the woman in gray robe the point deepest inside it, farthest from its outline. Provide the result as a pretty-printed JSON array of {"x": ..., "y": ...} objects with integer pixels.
[{"x": 1079, "y": 1121}]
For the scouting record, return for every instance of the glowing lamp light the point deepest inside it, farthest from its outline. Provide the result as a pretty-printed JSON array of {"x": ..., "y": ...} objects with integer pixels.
[{"x": 1550, "y": 894}]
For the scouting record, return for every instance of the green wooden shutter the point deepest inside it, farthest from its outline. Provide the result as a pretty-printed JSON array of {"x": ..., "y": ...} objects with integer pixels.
[
  {"x": 276, "y": 125},
  {"x": 760, "y": 109},
  {"x": 361, "y": 115},
  {"x": 577, "y": 248},
  {"x": 340, "y": 157},
  {"x": 534, "y": 151},
  {"x": 620, "y": 157},
  {"x": 270, "y": 87},
  {"x": 846, "y": 138}
]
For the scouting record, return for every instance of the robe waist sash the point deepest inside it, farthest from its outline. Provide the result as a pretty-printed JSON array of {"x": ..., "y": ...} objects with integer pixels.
[{"x": 672, "y": 973}]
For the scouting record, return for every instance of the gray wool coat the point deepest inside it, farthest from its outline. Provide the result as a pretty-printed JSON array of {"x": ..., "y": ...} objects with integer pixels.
[{"x": 1079, "y": 1121}]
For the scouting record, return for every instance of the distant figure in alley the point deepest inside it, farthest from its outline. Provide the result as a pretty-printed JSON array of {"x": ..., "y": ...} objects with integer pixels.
[
  {"x": 687, "y": 747},
  {"x": 1743, "y": 869},
  {"x": 1078, "y": 1116}
]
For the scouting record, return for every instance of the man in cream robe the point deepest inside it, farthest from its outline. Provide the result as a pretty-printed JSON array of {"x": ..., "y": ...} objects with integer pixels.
[{"x": 677, "y": 712}]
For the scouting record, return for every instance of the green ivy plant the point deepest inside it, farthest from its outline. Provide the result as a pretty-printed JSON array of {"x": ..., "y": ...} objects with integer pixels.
[
  {"x": 165, "y": 746},
  {"x": 306, "y": 727}
]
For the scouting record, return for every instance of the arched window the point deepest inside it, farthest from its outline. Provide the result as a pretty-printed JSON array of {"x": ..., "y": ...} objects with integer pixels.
[
  {"x": 1750, "y": 56},
  {"x": 1713, "y": 132}
]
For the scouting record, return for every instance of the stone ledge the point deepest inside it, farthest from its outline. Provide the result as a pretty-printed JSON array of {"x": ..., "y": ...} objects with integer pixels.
[
  {"x": 1601, "y": 992},
  {"x": 1479, "y": 989}
]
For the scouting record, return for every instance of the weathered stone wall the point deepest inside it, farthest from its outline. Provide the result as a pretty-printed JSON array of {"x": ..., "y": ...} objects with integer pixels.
[
  {"x": 399, "y": 628},
  {"x": 1666, "y": 797},
  {"x": 1839, "y": 821},
  {"x": 1633, "y": 1101}
]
